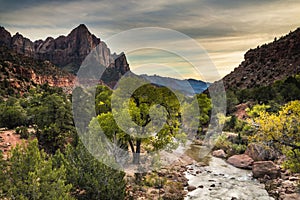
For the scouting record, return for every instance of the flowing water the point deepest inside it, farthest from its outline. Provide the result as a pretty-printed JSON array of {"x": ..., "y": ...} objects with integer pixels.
[{"x": 219, "y": 180}]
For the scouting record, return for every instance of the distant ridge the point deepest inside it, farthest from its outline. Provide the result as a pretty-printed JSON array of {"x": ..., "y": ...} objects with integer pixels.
[{"x": 187, "y": 87}]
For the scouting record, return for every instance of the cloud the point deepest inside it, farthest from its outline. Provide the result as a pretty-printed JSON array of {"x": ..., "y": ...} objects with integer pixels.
[{"x": 226, "y": 28}]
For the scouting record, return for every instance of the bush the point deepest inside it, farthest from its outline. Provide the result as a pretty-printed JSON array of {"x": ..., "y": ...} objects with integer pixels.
[
  {"x": 153, "y": 180},
  {"x": 293, "y": 160},
  {"x": 23, "y": 132},
  {"x": 232, "y": 145},
  {"x": 12, "y": 116}
]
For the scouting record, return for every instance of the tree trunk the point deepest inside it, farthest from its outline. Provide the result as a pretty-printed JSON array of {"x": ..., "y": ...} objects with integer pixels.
[{"x": 136, "y": 155}]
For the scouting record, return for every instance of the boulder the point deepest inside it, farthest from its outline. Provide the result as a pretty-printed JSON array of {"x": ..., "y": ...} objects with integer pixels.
[
  {"x": 262, "y": 168},
  {"x": 259, "y": 152},
  {"x": 293, "y": 196},
  {"x": 241, "y": 161},
  {"x": 219, "y": 153},
  {"x": 191, "y": 188}
]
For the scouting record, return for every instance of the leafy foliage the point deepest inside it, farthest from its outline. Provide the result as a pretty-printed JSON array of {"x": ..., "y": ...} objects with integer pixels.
[
  {"x": 276, "y": 94},
  {"x": 281, "y": 131}
]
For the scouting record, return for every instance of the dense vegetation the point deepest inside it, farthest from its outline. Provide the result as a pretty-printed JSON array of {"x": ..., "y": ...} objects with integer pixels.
[
  {"x": 144, "y": 103},
  {"x": 272, "y": 120},
  {"x": 55, "y": 165},
  {"x": 275, "y": 95},
  {"x": 59, "y": 155}
]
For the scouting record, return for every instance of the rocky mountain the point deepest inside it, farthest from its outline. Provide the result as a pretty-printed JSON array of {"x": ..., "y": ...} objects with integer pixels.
[
  {"x": 267, "y": 63},
  {"x": 68, "y": 52},
  {"x": 187, "y": 87}
]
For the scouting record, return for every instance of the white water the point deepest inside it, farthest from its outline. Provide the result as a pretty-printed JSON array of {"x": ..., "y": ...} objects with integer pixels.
[{"x": 222, "y": 181}]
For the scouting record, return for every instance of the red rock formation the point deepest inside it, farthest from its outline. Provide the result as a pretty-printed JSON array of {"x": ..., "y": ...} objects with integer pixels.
[
  {"x": 19, "y": 73},
  {"x": 68, "y": 52}
]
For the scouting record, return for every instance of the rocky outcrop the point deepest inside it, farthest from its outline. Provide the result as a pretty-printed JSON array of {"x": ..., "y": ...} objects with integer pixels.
[
  {"x": 20, "y": 73},
  {"x": 259, "y": 152},
  {"x": 22, "y": 45},
  {"x": 68, "y": 52},
  {"x": 5, "y": 37},
  {"x": 261, "y": 169},
  {"x": 241, "y": 161},
  {"x": 267, "y": 63}
]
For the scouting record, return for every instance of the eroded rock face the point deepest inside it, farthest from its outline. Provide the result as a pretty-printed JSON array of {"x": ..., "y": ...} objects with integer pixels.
[
  {"x": 241, "y": 161},
  {"x": 20, "y": 73},
  {"x": 261, "y": 169},
  {"x": 69, "y": 51},
  {"x": 5, "y": 37},
  {"x": 22, "y": 45}
]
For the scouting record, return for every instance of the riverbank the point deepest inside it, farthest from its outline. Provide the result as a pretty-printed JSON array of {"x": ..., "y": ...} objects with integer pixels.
[
  {"x": 168, "y": 183},
  {"x": 210, "y": 178}
]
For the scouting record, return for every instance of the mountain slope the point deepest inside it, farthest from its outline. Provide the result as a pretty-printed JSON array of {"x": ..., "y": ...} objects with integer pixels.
[
  {"x": 268, "y": 63},
  {"x": 19, "y": 73}
]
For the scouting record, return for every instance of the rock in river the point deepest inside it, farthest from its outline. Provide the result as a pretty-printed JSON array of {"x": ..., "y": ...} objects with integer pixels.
[{"x": 241, "y": 161}]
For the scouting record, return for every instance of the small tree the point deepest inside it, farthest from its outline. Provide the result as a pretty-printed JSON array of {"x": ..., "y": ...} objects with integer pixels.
[{"x": 282, "y": 131}]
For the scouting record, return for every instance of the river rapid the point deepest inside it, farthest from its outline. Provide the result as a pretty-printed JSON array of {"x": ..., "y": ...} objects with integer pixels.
[{"x": 220, "y": 180}]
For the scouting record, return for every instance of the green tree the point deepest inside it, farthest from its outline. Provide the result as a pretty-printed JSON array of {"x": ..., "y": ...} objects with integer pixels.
[
  {"x": 139, "y": 116},
  {"x": 90, "y": 178},
  {"x": 3, "y": 177},
  {"x": 204, "y": 105},
  {"x": 32, "y": 175},
  {"x": 12, "y": 114},
  {"x": 103, "y": 99},
  {"x": 51, "y": 113}
]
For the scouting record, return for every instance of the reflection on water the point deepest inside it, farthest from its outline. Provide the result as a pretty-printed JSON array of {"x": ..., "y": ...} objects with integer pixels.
[{"x": 199, "y": 153}]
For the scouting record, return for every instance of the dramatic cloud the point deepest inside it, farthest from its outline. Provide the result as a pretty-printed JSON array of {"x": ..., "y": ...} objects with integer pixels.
[{"x": 226, "y": 28}]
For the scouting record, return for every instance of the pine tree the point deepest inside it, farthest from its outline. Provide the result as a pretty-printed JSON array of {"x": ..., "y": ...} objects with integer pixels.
[{"x": 32, "y": 176}]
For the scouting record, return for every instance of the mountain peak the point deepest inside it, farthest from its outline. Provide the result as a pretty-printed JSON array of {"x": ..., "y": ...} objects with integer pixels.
[{"x": 82, "y": 27}]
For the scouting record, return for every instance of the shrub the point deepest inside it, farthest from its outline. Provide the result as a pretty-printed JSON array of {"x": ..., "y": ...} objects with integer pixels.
[{"x": 23, "y": 132}]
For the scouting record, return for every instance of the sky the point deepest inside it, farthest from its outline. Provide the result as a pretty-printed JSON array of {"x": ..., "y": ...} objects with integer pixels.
[{"x": 223, "y": 29}]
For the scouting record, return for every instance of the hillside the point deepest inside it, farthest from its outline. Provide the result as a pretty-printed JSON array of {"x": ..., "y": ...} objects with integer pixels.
[
  {"x": 19, "y": 73},
  {"x": 267, "y": 63}
]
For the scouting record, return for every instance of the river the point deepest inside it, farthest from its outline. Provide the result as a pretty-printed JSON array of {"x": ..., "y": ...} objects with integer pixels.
[{"x": 220, "y": 180}]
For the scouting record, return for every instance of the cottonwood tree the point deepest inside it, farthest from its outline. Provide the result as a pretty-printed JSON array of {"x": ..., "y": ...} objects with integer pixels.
[{"x": 132, "y": 121}]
